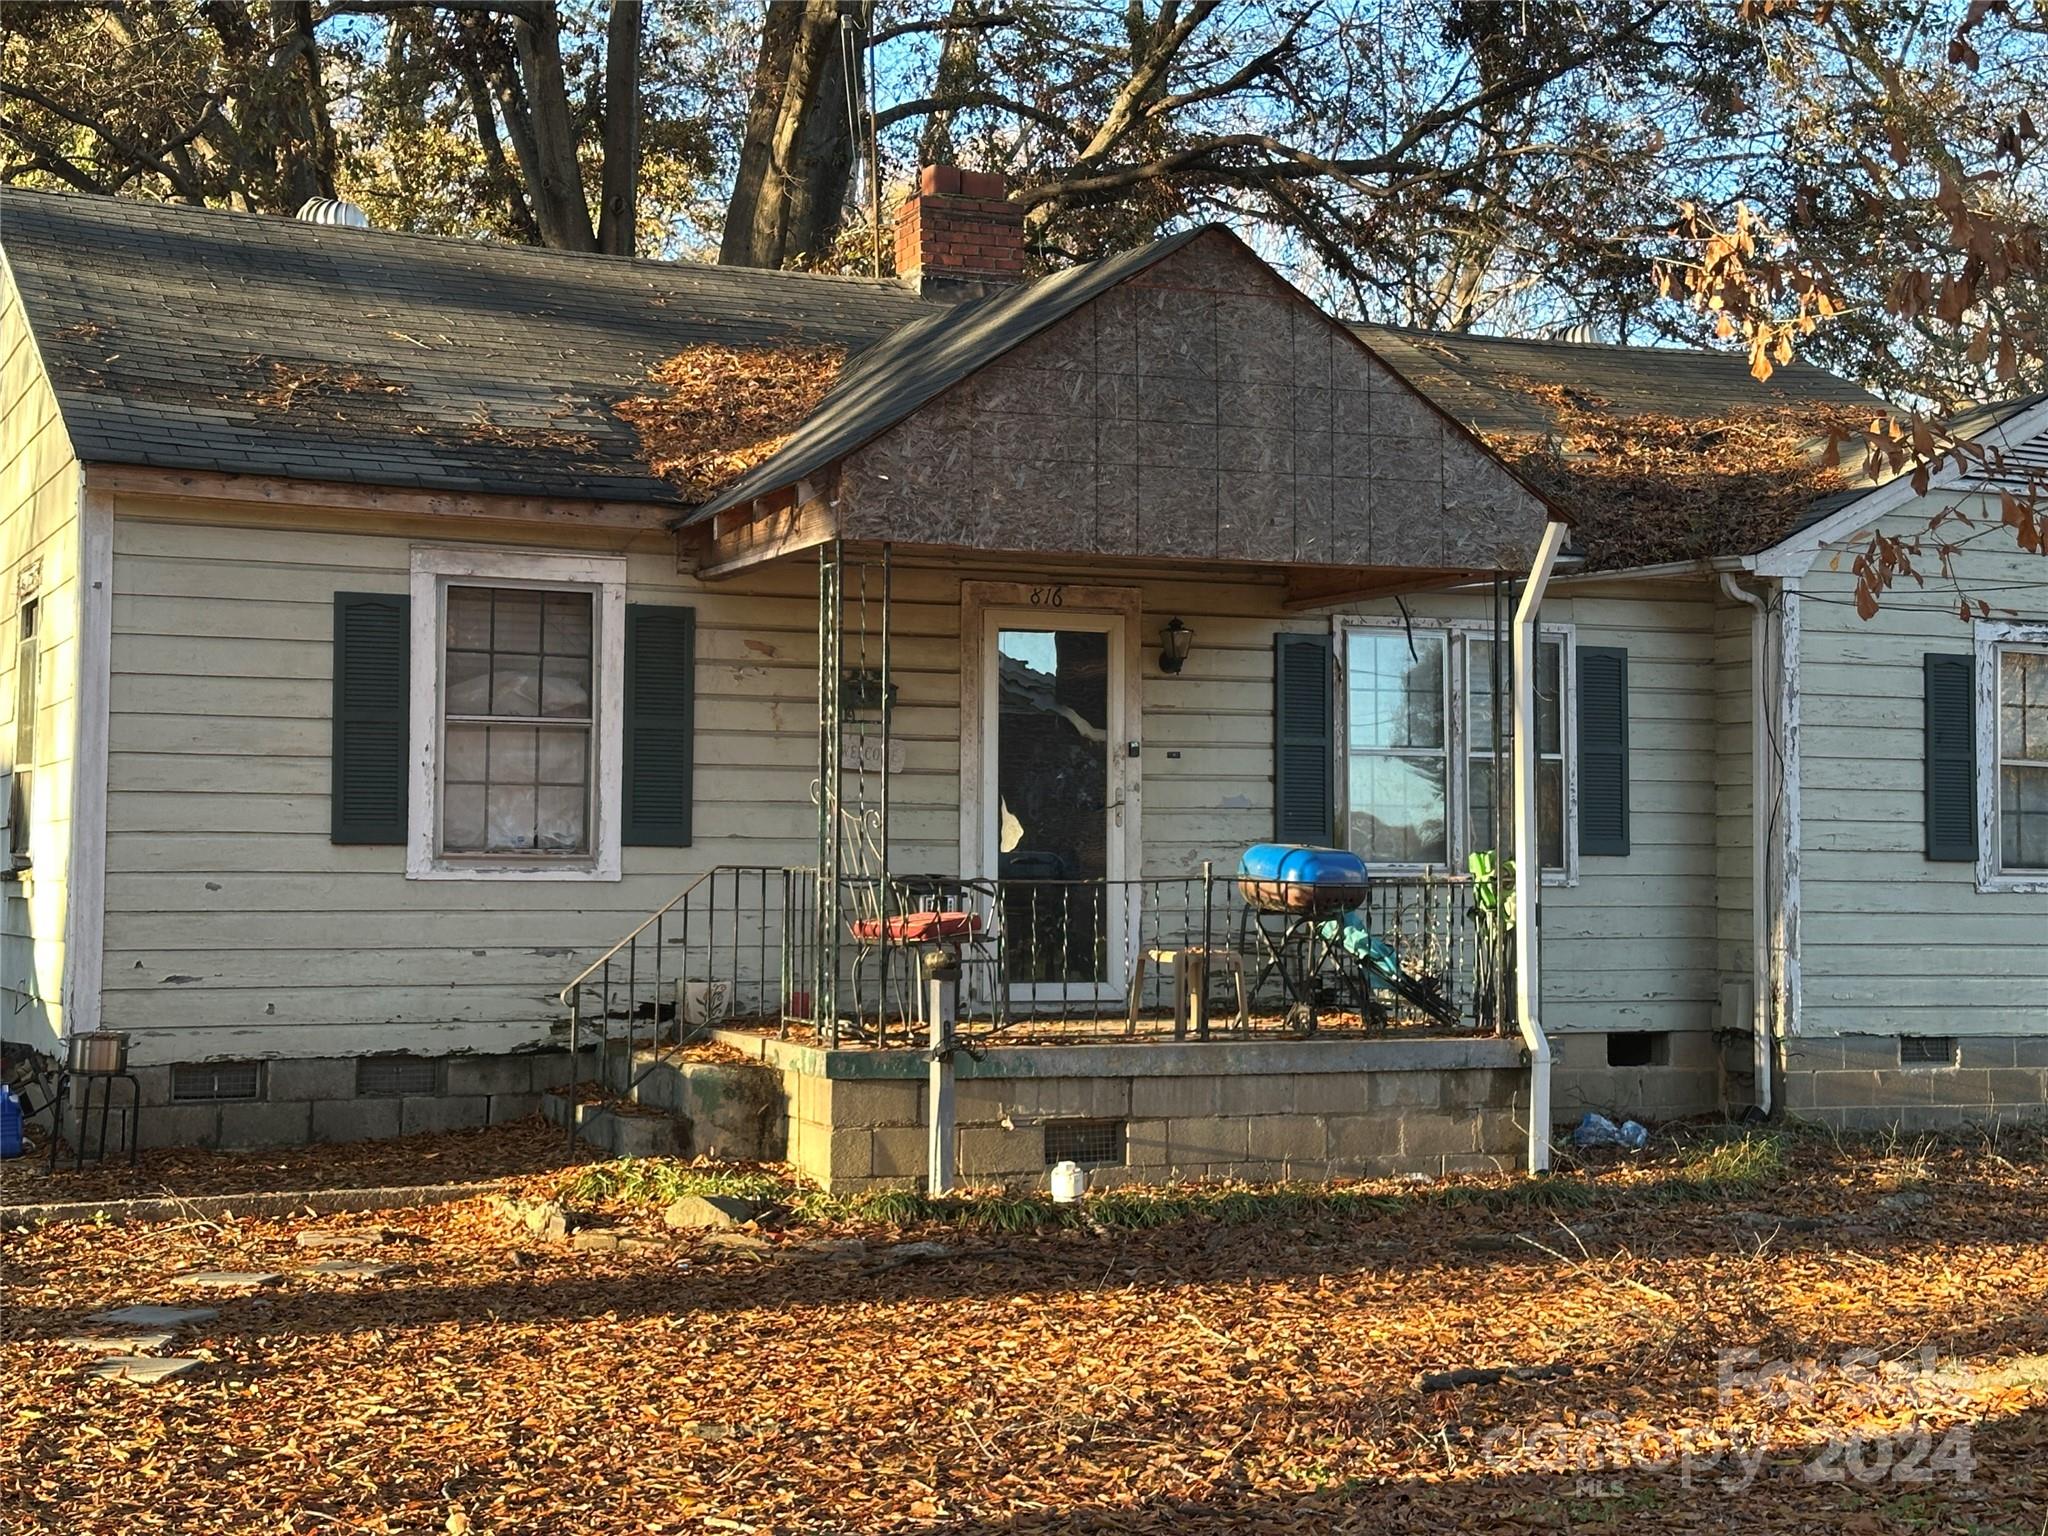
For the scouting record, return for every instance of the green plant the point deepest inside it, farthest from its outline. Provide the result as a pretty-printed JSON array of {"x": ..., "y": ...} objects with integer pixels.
[
  {"x": 663, "y": 1181},
  {"x": 1754, "y": 1160}
]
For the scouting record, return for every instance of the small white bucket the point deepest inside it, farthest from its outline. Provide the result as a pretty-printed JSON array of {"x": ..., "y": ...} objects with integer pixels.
[{"x": 1069, "y": 1182}]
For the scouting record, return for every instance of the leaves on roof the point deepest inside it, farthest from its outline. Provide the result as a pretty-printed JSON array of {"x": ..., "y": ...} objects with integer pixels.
[
  {"x": 287, "y": 386},
  {"x": 713, "y": 412},
  {"x": 1643, "y": 489}
]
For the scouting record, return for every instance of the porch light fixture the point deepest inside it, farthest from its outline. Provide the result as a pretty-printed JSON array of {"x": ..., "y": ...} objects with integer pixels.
[{"x": 1175, "y": 641}]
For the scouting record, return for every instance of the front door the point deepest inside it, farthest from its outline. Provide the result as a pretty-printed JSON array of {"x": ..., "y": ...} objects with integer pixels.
[{"x": 1055, "y": 781}]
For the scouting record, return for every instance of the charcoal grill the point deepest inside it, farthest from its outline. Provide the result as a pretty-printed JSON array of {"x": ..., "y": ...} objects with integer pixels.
[
  {"x": 1289, "y": 891},
  {"x": 1296, "y": 880}
]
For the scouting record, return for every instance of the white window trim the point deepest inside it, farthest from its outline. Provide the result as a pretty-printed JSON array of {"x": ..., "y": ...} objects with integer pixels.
[
  {"x": 433, "y": 568},
  {"x": 1454, "y": 729},
  {"x": 1993, "y": 636}
]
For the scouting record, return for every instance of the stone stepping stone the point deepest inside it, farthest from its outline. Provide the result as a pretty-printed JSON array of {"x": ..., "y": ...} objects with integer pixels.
[
  {"x": 316, "y": 1239},
  {"x": 116, "y": 1344},
  {"x": 227, "y": 1279},
  {"x": 156, "y": 1317},
  {"x": 348, "y": 1269},
  {"x": 143, "y": 1370}
]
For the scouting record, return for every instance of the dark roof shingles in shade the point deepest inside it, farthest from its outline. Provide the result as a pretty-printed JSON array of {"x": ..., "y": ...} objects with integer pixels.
[{"x": 160, "y": 326}]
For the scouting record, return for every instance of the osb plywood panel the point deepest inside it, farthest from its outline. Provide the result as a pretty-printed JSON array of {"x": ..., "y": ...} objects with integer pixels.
[{"x": 1201, "y": 410}]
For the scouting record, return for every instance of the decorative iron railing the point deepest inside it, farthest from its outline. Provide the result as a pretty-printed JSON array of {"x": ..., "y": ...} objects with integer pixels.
[{"x": 1182, "y": 955}]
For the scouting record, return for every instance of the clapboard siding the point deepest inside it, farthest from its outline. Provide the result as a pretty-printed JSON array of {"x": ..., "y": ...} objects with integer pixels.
[
  {"x": 236, "y": 926},
  {"x": 1892, "y": 941},
  {"x": 39, "y": 501}
]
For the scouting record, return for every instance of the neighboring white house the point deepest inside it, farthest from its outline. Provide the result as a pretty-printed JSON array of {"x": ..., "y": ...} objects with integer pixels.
[{"x": 365, "y": 684}]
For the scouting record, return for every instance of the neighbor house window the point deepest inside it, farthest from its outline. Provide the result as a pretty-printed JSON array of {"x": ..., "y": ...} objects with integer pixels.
[
  {"x": 1420, "y": 769},
  {"x": 519, "y": 656},
  {"x": 2021, "y": 791}
]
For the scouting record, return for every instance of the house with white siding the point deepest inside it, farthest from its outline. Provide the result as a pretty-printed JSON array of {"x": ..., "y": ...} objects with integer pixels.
[{"x": 390, "y": 746}]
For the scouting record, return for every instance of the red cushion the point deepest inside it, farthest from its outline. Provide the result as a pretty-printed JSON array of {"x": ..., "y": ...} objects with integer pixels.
[{"x": 918, "y": 927}]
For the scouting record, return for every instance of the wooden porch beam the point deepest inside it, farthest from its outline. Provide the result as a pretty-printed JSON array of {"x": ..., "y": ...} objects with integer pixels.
[
  {"x": 768, "y": 535},
  {"x": 1320, "y": 587}
]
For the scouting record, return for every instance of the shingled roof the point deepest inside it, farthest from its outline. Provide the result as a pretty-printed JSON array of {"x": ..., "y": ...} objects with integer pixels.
[
  {"x": 1492, "y": 383},
  {"x": 194, "y": 339},
  {"x": 188, "y": 338}
]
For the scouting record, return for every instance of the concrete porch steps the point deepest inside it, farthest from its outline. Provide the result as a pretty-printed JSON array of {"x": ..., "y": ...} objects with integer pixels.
[{"x": 658, "y": 1105}]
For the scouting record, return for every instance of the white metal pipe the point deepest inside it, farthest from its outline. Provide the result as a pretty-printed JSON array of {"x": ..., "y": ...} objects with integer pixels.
[
  {"x": 1529, "y": 850},
  {"x": 1762, "y": 770}
]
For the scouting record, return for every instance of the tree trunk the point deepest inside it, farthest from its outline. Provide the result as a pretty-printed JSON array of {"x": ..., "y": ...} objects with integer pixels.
[
  {"x": 547, "y": 151},
  {"x": 796, "y": 161},
  {"x": 619, "y": 199},
  {"x": 959, "y": 58},
  {"x": 305, "y": 140}
]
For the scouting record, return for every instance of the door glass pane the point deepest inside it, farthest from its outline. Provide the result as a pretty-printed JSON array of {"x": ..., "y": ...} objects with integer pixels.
[{"x": 1052, "y": 754}]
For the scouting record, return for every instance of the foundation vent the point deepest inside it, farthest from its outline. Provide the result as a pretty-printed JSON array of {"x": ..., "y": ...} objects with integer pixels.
[
  {"x": 1091, "y": 1143},
  {"x": 1927, "y": 1050},
  {"x": 215, "y": 1082},
  {"x": 396, "y": 1077}
]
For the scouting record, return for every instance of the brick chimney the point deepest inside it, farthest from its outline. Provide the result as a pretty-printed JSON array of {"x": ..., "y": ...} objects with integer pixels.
[{"x": 957, "y": 236}]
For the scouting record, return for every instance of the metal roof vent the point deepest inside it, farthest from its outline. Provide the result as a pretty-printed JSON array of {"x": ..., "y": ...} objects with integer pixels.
[{"x": 333, "y": 210}]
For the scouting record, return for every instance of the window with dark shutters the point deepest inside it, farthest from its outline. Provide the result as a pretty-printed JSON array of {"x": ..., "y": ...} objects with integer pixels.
[
  {"x": 1603, "y": 751},
  {"x": 661, "y": 687},
  {"x": 371, "y": 691},
  {"x": 1304, "y": 746},
  {"x": 1951, "y": 756}
]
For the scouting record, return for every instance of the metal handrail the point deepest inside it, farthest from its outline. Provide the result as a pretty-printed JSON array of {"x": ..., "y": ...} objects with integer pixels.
[{"x": 564, "y": 996}]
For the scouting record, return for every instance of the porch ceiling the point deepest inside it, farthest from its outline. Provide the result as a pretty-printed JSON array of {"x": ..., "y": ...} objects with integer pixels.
[{"x": 1183, "y": 402}]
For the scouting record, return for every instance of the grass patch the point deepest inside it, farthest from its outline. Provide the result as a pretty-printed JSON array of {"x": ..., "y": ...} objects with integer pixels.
[
  {"x": 652, "y": 1183},
  {"x": 1740, "y": 1165},
  {"x": 663, "y": 1181}
]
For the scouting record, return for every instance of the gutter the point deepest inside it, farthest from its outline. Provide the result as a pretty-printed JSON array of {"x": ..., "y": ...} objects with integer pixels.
[
  {"x": 1762, "y": 793},
  {"x": 1529, "y": 870}
]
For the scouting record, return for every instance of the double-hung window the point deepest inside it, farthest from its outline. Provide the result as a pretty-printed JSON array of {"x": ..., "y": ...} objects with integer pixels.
[
  {"x": 1419, "y": 770},
  {"x": 2016, "y": 659},
  {"x": 518, "y": 659}
]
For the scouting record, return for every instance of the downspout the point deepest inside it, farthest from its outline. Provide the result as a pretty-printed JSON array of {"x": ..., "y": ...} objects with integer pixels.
[
  {"x": 1761, "y": 794},
  {"x": 1528, "y": 856}
]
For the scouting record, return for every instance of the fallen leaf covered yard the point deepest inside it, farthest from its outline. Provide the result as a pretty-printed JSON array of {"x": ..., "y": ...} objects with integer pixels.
[{"x": 559, "y": 653}]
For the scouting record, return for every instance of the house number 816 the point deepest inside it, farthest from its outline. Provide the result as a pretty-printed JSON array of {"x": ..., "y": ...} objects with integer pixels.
[{"x": 1048, "y": 597}]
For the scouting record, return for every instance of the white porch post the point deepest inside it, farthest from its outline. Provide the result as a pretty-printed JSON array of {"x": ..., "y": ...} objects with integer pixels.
[{"x": 1528, "y": 850}]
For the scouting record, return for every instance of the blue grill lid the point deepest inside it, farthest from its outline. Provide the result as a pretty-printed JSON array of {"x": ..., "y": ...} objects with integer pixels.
[{"x": 1301, "y": 864}]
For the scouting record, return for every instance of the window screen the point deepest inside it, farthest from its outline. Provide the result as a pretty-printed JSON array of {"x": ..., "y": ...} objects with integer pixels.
[
  {"x": 518, "y": 712},
  {"x": 1091, "y": 1143},
  {"x": 2023, "y": 761},
  {"x": 390, "y": 1077}
]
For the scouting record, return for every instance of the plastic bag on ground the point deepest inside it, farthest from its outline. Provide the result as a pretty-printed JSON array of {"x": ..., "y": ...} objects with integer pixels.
[{"x": 1596, "y": 1130}]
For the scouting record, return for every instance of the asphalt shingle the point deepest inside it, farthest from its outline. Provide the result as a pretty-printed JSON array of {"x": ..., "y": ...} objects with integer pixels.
[{"x": 169, "y": 333}]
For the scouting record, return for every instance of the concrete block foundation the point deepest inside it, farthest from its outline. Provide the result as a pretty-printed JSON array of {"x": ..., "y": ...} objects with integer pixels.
[{"x": 1256, "y": 1110}]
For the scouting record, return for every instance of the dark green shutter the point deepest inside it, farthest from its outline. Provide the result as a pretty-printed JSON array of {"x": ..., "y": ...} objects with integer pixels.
[
  {"x": 661, "y": 695},
  {"x": 1304, "y": 745},
  {"x": 1951, "y": 756},
  {"x": 372, "y": 686},
  {"x": 1603, "y": 751}
]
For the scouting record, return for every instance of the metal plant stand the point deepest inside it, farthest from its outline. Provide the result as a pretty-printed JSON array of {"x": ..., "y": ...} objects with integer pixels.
[{"x": 98, "y": 1059}]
